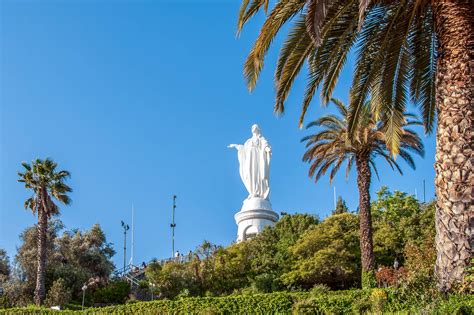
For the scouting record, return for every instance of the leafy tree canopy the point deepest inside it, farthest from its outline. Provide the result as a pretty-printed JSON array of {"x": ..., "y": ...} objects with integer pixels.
[
  {"x": 74, "y": 256},
  {"x": 4, "y": 264},
  {"x": 341, "y": 206}
]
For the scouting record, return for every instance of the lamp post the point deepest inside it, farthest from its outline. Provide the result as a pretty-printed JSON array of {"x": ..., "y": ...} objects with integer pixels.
[
  {"x": 125, "y": 229},
  {"x": 84, "y": 287},
  {"x": 152, "y": 290}
]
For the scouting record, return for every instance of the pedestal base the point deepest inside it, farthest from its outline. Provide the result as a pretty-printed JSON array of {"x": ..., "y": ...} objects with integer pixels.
[{"x": 256, "y": 213}]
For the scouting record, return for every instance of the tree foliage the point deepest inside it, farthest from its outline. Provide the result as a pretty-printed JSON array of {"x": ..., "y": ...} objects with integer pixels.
[
  {"x": 399, "y": 220},
  {"x": 327, "y": 253},
  {"x": 341, "y": 206},
  {"x": 396, "y": 52},
  {"x": 74, "y": 256},
  {"x": 4, "y": 265},
  {"x": 59, "y": 294},
  {"x": 300, "y": 252}
]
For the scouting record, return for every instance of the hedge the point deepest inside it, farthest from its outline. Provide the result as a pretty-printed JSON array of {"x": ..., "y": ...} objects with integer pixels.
[{"x": 336, "y": 302}]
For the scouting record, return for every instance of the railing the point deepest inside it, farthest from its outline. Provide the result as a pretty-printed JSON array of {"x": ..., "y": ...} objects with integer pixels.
[{"x": 132, "y": 273}]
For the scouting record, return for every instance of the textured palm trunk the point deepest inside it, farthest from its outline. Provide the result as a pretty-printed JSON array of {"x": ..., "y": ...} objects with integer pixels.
[
  {"x": 365, "y": 217},
  {"x": 454, "y": 140},
  {"x": 41, "y": 257}
]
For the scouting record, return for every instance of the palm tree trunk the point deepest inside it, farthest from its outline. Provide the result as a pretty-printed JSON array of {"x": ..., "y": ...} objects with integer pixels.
[
  {"x": 41, "y": 257},
  {"x": 365, "y": 217},
  {"x": 454, "y": 140}
]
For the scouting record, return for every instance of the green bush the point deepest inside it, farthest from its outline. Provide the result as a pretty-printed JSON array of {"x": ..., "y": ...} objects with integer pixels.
[
  {"x": 4, "y": 302},
  {"x": 114, "y": 293},
  {"x": 58, "y": 294},
  {"x": 332, "y": 302}
]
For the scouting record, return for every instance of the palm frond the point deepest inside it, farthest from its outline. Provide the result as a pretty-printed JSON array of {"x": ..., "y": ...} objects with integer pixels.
[
  {"x": 424, "y": 49},
  {"x": 248, "y": 11},
  {"x": 280, "y": 14},
  {"x": 291, "y": 68},
  {"x": 317, "y": 10}
]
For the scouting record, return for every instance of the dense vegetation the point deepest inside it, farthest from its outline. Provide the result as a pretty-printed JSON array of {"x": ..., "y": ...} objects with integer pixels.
[
  {"x": 301, "y": 251},
  {"x": 302, "y": 264},
  {"x": 74, "y": 258}
]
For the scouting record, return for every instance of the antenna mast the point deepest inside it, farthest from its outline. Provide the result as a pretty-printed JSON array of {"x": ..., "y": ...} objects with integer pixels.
[
  {"x": 125, "y": 229},
  {"x": 173, "y": 225},
  {"x": 132, "y": 237}
]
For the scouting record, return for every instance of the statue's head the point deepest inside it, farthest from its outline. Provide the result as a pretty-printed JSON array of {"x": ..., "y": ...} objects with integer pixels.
[{"x": 256, "y": 130}]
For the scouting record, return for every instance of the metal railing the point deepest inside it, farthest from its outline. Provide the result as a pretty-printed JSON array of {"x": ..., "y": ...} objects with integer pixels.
[{"x": 132, "y": 273}]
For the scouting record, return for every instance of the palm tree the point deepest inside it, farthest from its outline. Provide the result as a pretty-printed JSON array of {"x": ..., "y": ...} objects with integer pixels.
[
  {"x": 409, "y": 50},
  {"x": 331, "y": 146},
  {"x": 46, "y": 182}
]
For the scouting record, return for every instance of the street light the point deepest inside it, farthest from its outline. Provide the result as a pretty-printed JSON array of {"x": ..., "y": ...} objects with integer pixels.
[
  {"x": 152, "y": 289},
  {"x": 84, "y": 287}
]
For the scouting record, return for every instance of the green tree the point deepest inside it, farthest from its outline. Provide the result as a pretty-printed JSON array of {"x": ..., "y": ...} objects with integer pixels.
[
  {"x": 46, "y": 183},
  {"x": 115, "y": 292},
  {"x": 26, "y": 261},
  {"x": 328, "y": 253},
  {"x": 4, "y": 265},
  {"x": 332, "y": 146},
  {"x": 172, "y": 278},
  {"x": 270, "y": 252},
  {"x": 399, "y": 220},
  {"x": 414, "y": 50},
  {"x": 82, "y": 255},
  {"x": 58, "y": 294},
  {"x": 74, "y": 256},
  {"x": 341, "y": 206}
]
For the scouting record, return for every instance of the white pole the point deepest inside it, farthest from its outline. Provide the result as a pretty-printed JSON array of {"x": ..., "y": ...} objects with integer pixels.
[
  {"x": 132, "y": 245},
  {"x": 416, "y": 195},
  {"x": 334, "y": 197}
]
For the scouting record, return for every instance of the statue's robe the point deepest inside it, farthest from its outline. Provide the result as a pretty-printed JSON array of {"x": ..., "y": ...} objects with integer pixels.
[{"x": 254, "y": 169}]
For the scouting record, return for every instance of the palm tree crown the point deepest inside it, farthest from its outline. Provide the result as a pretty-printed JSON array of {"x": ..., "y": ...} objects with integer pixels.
[
  {"x": 395, "y": 47},
  {"x": 332, "y": 145},
  {"x": 45, "y": 181}
]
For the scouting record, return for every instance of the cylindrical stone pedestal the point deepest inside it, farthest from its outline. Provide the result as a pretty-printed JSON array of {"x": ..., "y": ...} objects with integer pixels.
[{"x": 256, "y": 213}]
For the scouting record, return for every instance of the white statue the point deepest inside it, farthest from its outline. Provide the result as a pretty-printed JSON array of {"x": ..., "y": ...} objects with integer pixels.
[{"x": 254, "y": 159}]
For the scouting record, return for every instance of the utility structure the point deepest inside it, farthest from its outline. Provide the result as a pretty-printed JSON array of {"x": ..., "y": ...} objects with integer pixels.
[
  {"x": 125, "y": 229},
  {"x": 173, "y": 225}
]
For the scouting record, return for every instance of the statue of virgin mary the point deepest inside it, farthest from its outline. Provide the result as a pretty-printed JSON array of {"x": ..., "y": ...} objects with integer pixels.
[{"x": 254, "y": 159}]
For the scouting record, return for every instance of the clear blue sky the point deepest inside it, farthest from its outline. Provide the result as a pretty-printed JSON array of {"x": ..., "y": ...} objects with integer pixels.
[{"x": 138, "y": 100}]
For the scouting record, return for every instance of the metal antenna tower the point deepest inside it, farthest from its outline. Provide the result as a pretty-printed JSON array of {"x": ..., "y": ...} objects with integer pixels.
[
  {"x": 125, "y": 229},
  {"x": 173, "y": 225}
]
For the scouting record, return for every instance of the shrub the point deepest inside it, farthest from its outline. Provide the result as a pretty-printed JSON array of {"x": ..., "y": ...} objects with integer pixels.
[
  {"x": 114, "y": 293},
  {"x": 368, "y": 280},
  {"x": 319, "y": 289},
  {"x": 378, "y": 299},
  {"x": 389, "y": 277},
  {"x": 333, "y": 302},
  {"x": 58, "y": 294},
  {"x": 4, "y": 302}
]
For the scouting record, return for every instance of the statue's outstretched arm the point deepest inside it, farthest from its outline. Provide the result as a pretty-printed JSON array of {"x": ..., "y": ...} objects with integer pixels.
[{"x": 237, "y": 146}]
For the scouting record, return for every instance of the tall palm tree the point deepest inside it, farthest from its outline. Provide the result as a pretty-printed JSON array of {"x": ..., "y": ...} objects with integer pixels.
[
  {"x": 46, "y": 183},
  {"x": 407, "y": 50},
  {"x": 332, "y": 145}
]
